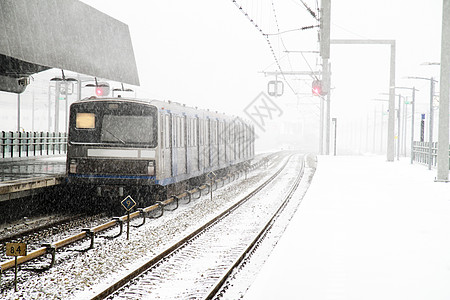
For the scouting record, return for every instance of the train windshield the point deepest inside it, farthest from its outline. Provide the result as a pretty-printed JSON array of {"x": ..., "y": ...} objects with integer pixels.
[{"x": 123, "y": 123}]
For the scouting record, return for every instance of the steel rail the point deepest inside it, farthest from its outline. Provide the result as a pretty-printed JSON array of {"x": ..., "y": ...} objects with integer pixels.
[
  {"x": 153, "y": 261},
  {"x": 259, "y": 237},
  {"x": 50, "y": 248}
]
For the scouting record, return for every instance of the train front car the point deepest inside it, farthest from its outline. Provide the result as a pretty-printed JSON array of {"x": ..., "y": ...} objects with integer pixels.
[{"x": 112, "y": 148}]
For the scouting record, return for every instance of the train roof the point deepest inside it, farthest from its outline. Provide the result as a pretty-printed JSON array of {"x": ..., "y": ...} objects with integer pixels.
[{"x": 167, "y": 105}]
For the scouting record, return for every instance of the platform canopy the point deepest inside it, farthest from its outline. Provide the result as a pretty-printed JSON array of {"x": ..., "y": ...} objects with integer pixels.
[{"x": 36, "y": 35}]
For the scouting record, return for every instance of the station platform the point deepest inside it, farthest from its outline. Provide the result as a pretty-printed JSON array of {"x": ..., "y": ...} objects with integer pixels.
[
  {"x": 366, "y": 229},
  {"x": 25, "y": 177}
]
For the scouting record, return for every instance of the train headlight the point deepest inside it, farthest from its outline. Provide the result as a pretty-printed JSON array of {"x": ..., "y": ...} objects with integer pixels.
[
  {"x": 151, "y": 168},
  {"x": 73, "y": 166}
]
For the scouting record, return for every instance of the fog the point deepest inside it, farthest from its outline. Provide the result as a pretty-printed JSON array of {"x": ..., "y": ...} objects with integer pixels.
[{"x": 209, "y": 54}]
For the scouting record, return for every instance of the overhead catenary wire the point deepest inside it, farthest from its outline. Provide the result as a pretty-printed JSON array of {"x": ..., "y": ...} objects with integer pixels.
[
  {"x": 266, "y": 37},
  {"x": 278, "y": 34}
]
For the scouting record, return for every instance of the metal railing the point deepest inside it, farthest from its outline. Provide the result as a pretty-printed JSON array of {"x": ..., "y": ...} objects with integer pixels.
[
  {"x": 28, "y": 144},
  {"x": 422, "y": 155}
]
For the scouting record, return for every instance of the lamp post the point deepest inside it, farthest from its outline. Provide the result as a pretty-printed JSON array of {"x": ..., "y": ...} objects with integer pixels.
[
  {"x": 121, "y": 90},
  {"x": 413, "y": 103},
  {"x": 398, "y": 120},
  {"x": 443, "y": 138},
  {"x": 430, "y": 137},
  {"x": 381, "y": 123},
  {"x": 58, "y": 81}
]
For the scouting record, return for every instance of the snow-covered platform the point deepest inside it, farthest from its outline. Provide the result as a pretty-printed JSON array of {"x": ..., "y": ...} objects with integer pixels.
[
  {"x": 25, "y": 177},
  {"x": 366, "y": 229}
]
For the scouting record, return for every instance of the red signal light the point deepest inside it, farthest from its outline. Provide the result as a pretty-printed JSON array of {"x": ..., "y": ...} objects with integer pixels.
[
  {"x": 317, "y": 88},
  {"x": 99, "y": 91},
  {"x": 102, "y": 89}
]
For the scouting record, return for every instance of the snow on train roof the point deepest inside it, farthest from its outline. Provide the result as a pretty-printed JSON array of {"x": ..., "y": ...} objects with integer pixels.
[{"x": 167, "y": 105}]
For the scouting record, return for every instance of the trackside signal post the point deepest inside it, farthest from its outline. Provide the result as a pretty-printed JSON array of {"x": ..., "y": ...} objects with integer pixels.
[
  {"x": 211, "y": 175},
  {"x": 128, "y": 203},
  {"x": 16, "y": 249}
]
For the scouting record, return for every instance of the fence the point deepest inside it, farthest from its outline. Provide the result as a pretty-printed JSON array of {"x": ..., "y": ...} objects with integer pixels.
[
  {"x": 422, "y": 153},
  {"x": 29, "y": 144}
]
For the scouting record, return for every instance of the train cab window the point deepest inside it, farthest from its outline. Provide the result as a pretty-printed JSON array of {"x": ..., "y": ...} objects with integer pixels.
[
  {"x": 127, "y": 129},
  {"x": 121, "y": 123},
  {"x": 85, "y": 121}
]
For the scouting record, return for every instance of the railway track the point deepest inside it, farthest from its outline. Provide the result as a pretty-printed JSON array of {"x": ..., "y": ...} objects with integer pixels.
[
  {"x": 68, "y": 242},
  {"x": 43, "y": 228},
  {"x": 198, "y": 265}
]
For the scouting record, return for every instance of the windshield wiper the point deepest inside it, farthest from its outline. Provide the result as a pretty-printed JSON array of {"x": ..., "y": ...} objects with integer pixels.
[{"x": 117, "y": 138}]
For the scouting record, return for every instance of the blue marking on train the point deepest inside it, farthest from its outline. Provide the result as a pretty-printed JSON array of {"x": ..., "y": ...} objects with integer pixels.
[
  {"x": 166, "y": 181},
  {"x": 112, "y": 176}
]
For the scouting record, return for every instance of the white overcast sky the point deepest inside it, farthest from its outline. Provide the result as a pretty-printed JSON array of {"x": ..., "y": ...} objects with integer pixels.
[{"x": 207, "y": 53}]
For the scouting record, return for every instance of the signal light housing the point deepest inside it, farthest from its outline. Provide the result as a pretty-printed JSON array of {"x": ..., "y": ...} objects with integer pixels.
[
  {"x": 317, "y": 88},
  {"x": 102, "y": 89}
]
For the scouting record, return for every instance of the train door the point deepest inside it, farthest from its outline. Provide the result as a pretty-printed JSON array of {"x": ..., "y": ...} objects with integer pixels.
[
  {"x": 167, "y": 145},
  {"x": 183, "y": 144},
  {"x": 162, "y": 144},
  {"x": 198, "y": 132},
  {"x": 207, "y": 143},
  {"x": 174, "y": 144}
]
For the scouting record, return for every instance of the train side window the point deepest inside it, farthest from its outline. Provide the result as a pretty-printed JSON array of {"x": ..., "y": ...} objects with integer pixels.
[
  {"x": 213, "y": 132},
  {"x": 183, "y": 142},
  {"x": 204, "y": 131},
  {"x": 188, "y": 132},
  {"x": 194, "y": 139},
  {"x": 178, "y": 132},
  {"x": 161, "y": 130},
  {"x": 174, "y": 132},
  {"x": 220, "y": 134},
  {"x": 200, "y": 132},
  {"x": 166, "y": 131},
  {"x": 217, "y": 132},
  {"x": 195, "y": 131}
]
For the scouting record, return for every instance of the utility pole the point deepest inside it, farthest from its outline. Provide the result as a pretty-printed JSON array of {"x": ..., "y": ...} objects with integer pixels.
[
  {"x": 413, "y": 104},
  {"x": 430, "y": 145},
  {"x": 430, "y": 135},
  {"x": 443, "y": 139},
  {"x": 18, "y": 112},
  {"x": 398, "y": 125},
  {"x": 391, "y": 121},
  {"x": 57, "y": 93},
  {"x": 335, "y": 133},
  {"x": 321, "y": 126},
  {"x": 325, "y": 25}
]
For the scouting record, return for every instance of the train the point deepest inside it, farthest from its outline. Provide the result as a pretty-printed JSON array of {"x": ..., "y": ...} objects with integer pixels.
[{"x": 150, "y": 149}]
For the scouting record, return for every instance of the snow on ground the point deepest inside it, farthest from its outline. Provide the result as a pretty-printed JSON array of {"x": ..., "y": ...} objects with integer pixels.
[{"x": 366, "y": 229}]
